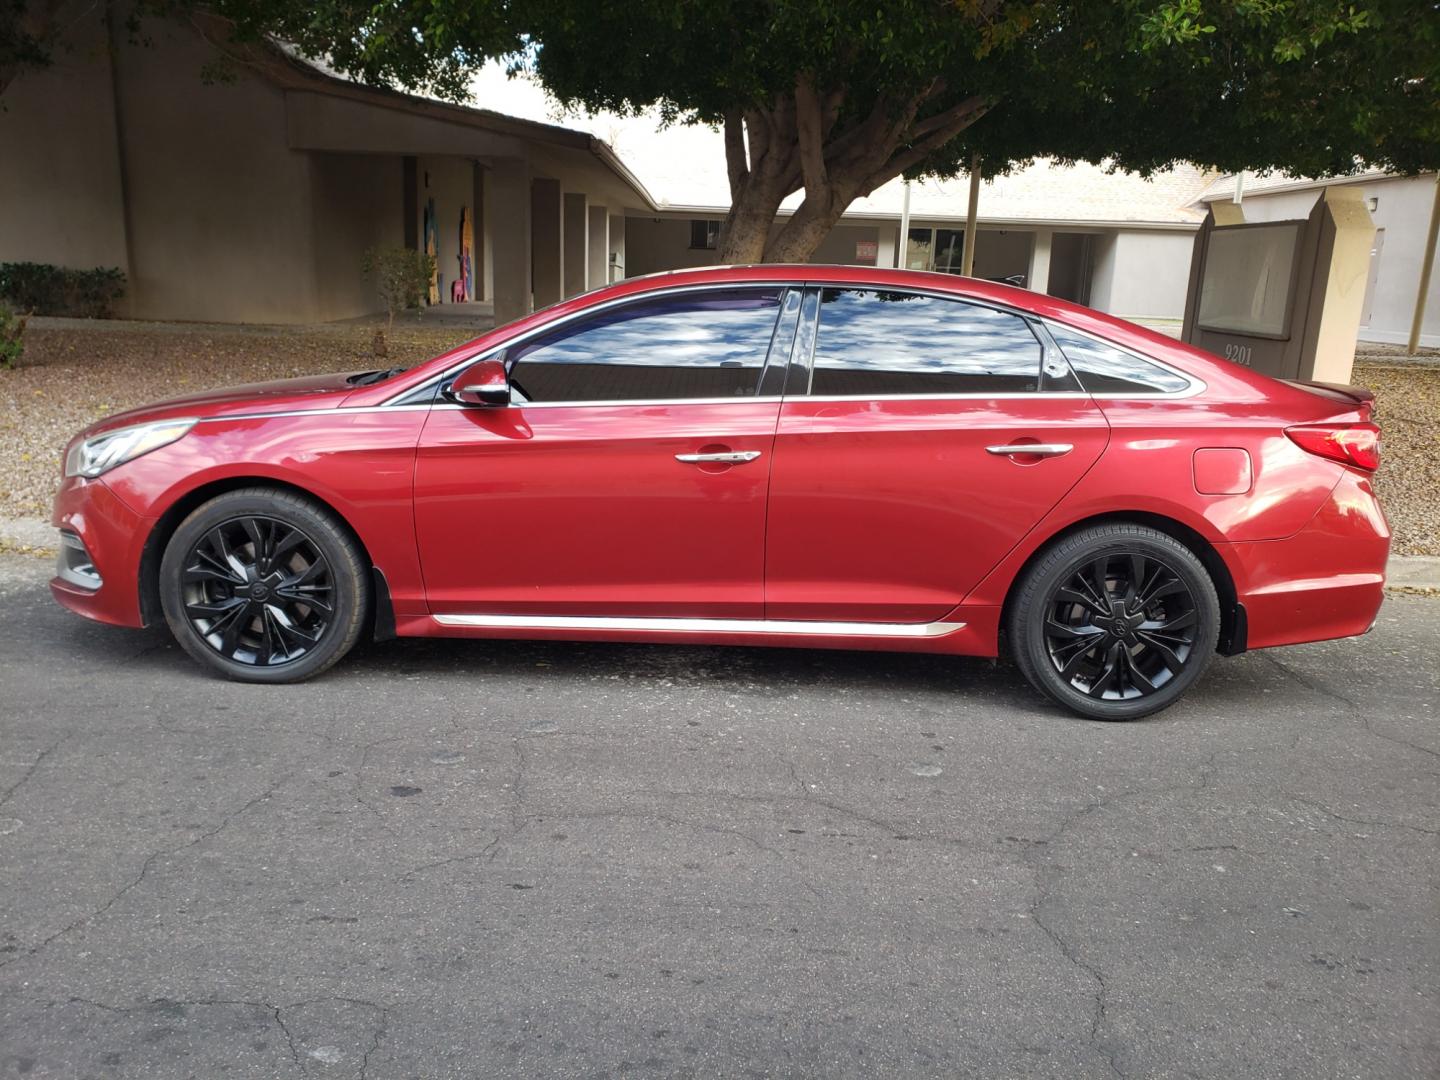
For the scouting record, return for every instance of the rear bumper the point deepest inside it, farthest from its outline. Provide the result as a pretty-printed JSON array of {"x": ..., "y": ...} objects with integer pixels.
[
  {"x": 1326, "y": 581},
  {"x": 113, "y": 537}
]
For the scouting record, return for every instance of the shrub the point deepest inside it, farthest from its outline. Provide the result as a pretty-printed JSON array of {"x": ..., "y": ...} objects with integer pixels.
[
  {"x": 12, "y": 336},
  {"x": 42, "y": 289},
  {"x": 402, "y": 276}
]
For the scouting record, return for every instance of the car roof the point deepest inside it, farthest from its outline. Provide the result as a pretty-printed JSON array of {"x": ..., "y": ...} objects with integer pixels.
[{"x": 1219, "y": 375}]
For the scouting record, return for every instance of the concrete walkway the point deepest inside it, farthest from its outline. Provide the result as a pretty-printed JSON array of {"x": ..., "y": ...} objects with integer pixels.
[{"x": 33, "y": 534}]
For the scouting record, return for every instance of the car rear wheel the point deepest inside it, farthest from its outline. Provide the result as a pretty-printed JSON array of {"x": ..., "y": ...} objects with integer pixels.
[
  {"x": 264, "y": 586},
  {"x": 1115, "y": 622}
]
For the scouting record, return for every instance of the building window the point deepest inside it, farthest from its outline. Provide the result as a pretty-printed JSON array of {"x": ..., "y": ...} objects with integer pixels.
[{"x": 704, "y": 235}]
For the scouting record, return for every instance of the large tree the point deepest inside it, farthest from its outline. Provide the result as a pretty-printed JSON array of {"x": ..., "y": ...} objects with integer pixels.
[{"x": 836, "y": 97}]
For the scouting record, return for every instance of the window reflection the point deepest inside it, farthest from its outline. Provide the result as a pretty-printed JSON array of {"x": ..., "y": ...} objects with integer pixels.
[
  {"x": 1104, "y": 369},
  {"x": 703, "y": 345},
  {"x": 901, "y": 343}
]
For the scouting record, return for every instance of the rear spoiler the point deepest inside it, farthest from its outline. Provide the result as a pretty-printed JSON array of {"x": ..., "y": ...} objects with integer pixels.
[{"x": 1357, "y": 397}]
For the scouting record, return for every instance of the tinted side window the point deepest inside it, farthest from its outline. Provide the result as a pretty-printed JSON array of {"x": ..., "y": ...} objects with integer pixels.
[
  {"x": 1104, "y": 369},
  {"x": 692, "y": 345},
  {"x": 873, "y": 342}
]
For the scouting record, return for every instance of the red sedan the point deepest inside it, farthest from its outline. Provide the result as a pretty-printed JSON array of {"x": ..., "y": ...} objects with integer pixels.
[{"x": 809, "y": 456}]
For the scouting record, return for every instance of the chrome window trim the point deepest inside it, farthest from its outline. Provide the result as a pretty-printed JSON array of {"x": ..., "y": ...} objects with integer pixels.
[
  {"x": 433, "y": 384},
  {"x": 1195, "y": 386},
  {"x": 701, "y": 626},
  {"x": 623, "y": 403}
]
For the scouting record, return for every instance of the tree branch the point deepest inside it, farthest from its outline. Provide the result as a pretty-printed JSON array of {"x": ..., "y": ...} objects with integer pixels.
[{"x": 918, "y": 152}]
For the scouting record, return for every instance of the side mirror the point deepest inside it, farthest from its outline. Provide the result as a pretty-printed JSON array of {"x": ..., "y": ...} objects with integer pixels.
[{"x": 482, "y": 383}]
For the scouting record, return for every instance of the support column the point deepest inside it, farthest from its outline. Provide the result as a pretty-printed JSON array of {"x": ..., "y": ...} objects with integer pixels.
[
  {"x": 509, "y": 190},
  {"x": 596, "y": 275},
  {"x": 576, "y": 259},
  {"x": 967, "y": 257},
  {"x": 617, "y": 247},
  {"x": 1038, "y": 279},
  {"x": 547, "y": 258}
]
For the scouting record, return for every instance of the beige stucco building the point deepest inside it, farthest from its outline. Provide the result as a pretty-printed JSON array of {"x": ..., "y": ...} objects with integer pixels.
[{"x": 252, "y": 199}]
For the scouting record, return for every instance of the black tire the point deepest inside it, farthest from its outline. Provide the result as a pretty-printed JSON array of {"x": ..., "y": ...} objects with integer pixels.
[
  {"x": 263, "y": 585},
  {"x": 1120, "y": 663}
]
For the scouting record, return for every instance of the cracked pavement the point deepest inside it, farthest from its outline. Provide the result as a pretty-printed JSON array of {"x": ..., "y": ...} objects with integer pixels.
[{"x": 456, "y": 859}]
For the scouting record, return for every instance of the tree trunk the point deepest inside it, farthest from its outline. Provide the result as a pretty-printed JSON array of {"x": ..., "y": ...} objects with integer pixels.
[{"x": 796, "y": 142}]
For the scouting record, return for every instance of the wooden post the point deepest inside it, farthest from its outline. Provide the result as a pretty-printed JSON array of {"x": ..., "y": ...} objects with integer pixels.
[
  {"x": 967, "y": 258},
  {"x": 1426, "y": 265}
]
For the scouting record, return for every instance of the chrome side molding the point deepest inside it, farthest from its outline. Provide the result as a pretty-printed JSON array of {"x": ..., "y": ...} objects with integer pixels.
[{"x": 703, "y": 626}]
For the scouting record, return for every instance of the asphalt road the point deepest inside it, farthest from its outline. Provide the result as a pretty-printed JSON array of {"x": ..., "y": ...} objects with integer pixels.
[{"x": 468, "y": 859}]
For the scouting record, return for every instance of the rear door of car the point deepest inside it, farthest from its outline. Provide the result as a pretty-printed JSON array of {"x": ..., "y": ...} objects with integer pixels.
[
  {"x": 920, "y": 438},
  {"x": 627, "y": 478}
]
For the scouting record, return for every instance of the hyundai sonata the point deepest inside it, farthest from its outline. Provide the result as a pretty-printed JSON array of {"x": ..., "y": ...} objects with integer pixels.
[{"x": 838, "y": 457}]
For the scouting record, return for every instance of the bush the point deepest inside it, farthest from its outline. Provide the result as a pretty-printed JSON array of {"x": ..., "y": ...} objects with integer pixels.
[
  {"x": 12, "y": 336},
  {"x": 42, "y": 289},
  {"x": 402, "y": 276}
]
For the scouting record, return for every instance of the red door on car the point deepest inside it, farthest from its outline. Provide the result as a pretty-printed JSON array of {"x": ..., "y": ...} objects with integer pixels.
[
  {"x": 627, "y": 477},
  {"x": 901, "y": 473}
]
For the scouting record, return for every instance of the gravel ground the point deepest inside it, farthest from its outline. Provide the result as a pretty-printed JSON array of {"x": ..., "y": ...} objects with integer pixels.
[
  {"x": 74, "y": 373},
  {"x": 70, "y": 377}
]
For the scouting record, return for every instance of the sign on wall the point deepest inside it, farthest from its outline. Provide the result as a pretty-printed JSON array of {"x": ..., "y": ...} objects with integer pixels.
[{"x": 866, "y": 251}]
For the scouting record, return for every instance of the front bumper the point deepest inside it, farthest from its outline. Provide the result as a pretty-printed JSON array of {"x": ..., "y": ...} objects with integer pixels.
[
  {"x": 1326, "y": 581},
  {"x": 98, "y": 571}
]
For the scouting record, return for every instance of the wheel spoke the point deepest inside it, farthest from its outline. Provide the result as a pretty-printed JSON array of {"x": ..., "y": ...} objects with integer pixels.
[
  {"x": 1138, "y": 677},
  {"x": 229, "y": 628},
  {"x": 1137, "y": 578},
  {"x": 223, "y": 554},
  {"x": 1179, "y": 622},
  {"x": 1159, "y": 589},
  {"x": 315, "y": 596},
  {"x": 285, "y": 546},
  {"x": 266, "y": 650},
  {"x": 1072, "y": 666},
  {"x": 1059, "y": 629},
  {"x": 1073, "y": 596},
  {"x": 289, "y": 631},
  {"x": 1167, "y": 655},
  {"x": 1110, "y": 673},
  {"x": 1099, "y": 570},
  {"x": 209, "y": 571},
  {"x": 214, "y": 609}
]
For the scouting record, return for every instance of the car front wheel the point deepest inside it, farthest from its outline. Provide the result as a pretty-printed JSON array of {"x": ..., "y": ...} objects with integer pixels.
[
  {"x": 263, "y": 585},
  {"x": 1115, "y": 622}
]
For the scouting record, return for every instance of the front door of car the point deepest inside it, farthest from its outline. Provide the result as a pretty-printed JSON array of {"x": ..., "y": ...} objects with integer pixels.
[
  {"x": 628, "y": 475},
  {"x": 901, "y": 473}
]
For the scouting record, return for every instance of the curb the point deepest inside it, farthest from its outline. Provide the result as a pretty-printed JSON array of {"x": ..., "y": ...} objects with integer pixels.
[{"x": 36, "y": 536}]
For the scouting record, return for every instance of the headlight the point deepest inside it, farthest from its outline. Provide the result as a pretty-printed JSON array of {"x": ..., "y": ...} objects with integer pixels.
[{"x": 100, "y": 453}]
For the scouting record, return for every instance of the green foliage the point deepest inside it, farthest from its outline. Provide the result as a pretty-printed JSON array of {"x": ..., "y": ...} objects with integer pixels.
[
  {"x": 12, "y": 336},
  {"x": 402, "y": 276},
  {"x": 42, "y": 289},
  {"x": 1313, "y": 87}
]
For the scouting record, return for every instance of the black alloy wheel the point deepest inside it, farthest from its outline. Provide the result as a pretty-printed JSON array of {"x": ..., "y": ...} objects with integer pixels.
[
  {"x": 1122, "y": 627},
  {"x": 264, "y": 586},
  {"x": 258, "y": 591},
  {"x": 1115, "y": 622}
]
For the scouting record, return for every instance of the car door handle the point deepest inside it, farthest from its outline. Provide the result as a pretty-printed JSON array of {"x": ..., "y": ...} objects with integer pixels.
[
  {"x": 1038, "y": 449},
  {"x": 737, "y": 457}
]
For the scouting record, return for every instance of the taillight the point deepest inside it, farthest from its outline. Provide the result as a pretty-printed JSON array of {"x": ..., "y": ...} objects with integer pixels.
[{"x": 1349, "y": 444}]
